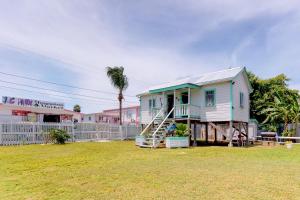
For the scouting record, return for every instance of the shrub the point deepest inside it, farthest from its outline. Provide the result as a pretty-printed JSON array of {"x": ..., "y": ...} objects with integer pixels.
[
  {"x": 59, "y": 136},
  {"x": 270, "y": 127},
  {"x": 181, "y": 130},
  {"x": 289, "y": 133}
]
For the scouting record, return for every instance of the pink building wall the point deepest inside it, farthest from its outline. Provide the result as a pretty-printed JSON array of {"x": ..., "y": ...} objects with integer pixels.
[{"x": 130, "y": 115}]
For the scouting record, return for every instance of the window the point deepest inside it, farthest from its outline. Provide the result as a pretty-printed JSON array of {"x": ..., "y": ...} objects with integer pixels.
[
  {"x": 184, "y": 98},
  {"x": 90, "y": 118},
  {"x": 241, "y": 99},
  {"x": 152, "y": 103},
  {"x": 210, "y": 98}
]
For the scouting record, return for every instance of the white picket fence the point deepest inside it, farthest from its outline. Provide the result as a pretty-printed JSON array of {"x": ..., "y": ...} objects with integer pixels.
[{"x": 18, "y": 133}]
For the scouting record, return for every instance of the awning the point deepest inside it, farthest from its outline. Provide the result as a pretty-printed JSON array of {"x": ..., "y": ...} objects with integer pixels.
[{"x": 175, "y": 87}]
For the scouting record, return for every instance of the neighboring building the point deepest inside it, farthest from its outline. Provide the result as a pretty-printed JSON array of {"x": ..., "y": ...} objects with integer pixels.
[
  {"x": 216, "y": 103},
  {"x": 100, "y": 118},
  {"x": 19, "y": 109},
  {"x": 253, "y": 128},
  {"x": 130, "y": 115}
]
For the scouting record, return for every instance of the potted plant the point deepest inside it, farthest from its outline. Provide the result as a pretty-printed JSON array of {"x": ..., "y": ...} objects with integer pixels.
[
  {"x": 180, "y": 138},
  {"x": 289, "y": 144}
]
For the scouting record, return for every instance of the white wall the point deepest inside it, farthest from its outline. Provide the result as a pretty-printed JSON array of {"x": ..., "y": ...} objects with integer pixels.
[
  {"x": 86, "y": 118},
  {"x": 146, "y": 115},
  {"x": 222, "y": 111},
  {"x": 252, "y": 130},
  {"x": 196, "y": 97},
  {"x": 239, "y": 113}
]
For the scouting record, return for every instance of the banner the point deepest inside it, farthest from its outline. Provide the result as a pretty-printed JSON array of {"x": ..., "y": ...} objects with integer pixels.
[{"x": 31, "y": 103}]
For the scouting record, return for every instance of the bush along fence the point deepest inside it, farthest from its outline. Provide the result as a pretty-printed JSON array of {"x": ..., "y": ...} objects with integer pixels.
[{"x": 38, "y": 133}]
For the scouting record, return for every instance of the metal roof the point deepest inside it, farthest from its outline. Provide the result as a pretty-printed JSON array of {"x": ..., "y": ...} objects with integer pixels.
[{"x": 204, "y": 79}]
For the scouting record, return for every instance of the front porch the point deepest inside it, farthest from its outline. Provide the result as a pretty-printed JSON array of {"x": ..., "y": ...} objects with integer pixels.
[{"x": 178, "y": 100}]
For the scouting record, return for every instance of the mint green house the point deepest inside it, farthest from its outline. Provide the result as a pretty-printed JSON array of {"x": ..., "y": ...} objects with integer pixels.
[{"x": 215, "y": 105}]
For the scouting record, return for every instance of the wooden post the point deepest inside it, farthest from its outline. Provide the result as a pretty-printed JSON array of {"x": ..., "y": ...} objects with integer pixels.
[
  {"x": 247, "y": 133},
  {"x": 206, "y": 132},
  {"x": 240, "y": 135},
  {"x": 174, "y": 104},
  {"x": 215, "y": 130},
  {"x": 190, "y": 129},
  {"x": 195, "y": 134},
  {"x": 163, "y": 101},
  {"x": 230, "y": 134},
  {"x": 174, "y": 97}
]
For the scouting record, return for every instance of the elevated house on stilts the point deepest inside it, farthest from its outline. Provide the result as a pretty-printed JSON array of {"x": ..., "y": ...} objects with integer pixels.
[{"x": 214, "y": 105}]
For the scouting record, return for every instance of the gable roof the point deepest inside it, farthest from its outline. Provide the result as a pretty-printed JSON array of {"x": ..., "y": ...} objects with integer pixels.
[{"x": 204, "y": 79}]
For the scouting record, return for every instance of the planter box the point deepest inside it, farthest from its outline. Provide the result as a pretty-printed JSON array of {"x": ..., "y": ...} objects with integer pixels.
[
  {"x": 289, "y": 145},
  {"x": 139, "y": 140},
  {"x": 175, "y": 142}
]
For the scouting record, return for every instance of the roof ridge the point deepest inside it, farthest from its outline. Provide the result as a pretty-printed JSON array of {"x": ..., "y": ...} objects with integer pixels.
[{"x": 223, "y": 70}]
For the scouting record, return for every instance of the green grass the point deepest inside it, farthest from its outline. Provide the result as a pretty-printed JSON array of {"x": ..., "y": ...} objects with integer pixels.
[{"x": 119, "y": 170}]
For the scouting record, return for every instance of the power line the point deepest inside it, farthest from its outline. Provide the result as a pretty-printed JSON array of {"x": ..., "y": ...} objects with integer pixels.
[
  {"x": 61, "y": 84},
  {"x": 43, "y": 93},
  {"x": 41, "y": 88}
]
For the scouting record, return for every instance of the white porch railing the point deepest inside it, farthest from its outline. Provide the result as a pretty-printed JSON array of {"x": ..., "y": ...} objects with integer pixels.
[{"x": 187, "y": 111}]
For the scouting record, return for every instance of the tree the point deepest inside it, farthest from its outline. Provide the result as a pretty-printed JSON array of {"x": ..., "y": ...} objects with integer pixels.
[
  {"x": 77, "y": 108},
  {"x": 277, "y": 111},
  {"x": 120, "y": 81},
  {"x": 272, "y": 103}
]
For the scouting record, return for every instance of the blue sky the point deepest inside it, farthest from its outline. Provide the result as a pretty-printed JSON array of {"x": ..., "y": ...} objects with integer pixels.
[{"x": 71, "y": 42}]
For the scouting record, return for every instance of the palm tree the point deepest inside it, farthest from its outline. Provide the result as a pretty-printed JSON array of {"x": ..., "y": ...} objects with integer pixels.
[
  {"x": 285, "y": 108},
  {"x": 77, "y": 108},
  {"x": 295, "y": 112},
  {"x": 120, "y": 81}
]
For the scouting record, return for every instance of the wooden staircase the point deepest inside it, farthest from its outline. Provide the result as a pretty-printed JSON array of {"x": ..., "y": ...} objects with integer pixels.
[{"x": 155, "y": 133}]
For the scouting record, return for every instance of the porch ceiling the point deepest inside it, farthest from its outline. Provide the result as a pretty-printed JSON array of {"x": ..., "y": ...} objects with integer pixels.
[{"x": 175, "y": 87}]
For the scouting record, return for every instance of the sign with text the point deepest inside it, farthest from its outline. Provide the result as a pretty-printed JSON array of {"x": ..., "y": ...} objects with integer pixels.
[{"x": 31, "y": 103}]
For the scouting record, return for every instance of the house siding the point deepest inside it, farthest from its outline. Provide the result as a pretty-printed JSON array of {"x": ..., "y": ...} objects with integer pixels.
[
  {"x": 221, "y": 111},
  {"x": 240, "y": 85},
  {"x": 146, "y": 115},
  {"x": 196, "y": 97},
  {"x": 227, "y": 101}
]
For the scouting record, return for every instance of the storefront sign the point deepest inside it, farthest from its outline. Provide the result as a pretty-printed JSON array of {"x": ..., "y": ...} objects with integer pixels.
[{"x": 31, "y": 103}]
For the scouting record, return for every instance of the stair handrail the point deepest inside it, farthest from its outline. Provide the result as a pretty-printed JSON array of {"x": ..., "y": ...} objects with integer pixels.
[
  {"x": 162, "y": 123},
  {"x": 148, "y": 126}
]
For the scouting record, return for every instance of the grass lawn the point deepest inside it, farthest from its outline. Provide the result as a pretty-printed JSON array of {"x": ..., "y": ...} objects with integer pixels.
[{"x": 119, "y": 170}]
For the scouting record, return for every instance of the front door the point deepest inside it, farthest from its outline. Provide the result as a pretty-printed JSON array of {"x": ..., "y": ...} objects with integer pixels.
[{"x": 170, "y": 104}]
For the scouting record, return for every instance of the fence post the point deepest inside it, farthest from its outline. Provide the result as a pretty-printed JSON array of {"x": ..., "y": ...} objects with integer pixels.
[
  {"x": 34, "y": 131},
  {"x": 1, "y": 132},
  {"x": 121, "y": 131},
  {"x": 73, "y": 131}
]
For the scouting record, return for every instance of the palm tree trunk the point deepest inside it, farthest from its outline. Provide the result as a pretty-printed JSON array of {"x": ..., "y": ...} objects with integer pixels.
[
  {"x": 286, "y": 125},
  {"x": 120, "y": 106}
]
